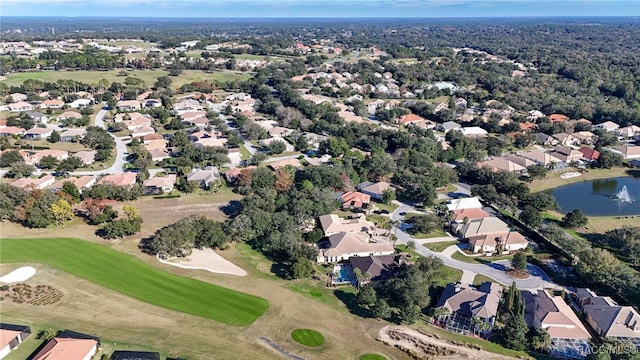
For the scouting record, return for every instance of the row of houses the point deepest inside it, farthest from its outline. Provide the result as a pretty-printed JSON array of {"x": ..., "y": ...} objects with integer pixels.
[{"x": 67, "y": 345}]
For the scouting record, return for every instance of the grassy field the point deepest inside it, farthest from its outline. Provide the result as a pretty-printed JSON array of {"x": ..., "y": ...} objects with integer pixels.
[
  {"x": 479, "y": 279},
  {"x": 553, "y": 180},
  {"x": 439, "y": 246},
  {"x": 478, "y": 259},
  {"x": 372, "y": 357},
  {"x": 433, "y": 234},
  {"x": 148, "y": 76},
  {"x": 388, "y": 207},
  {"x": 307, "y": 337},
  {"x": 131, "y": 277}
]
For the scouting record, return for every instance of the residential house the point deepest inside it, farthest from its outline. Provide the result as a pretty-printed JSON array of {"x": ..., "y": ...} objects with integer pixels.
[
  {"x": 566, "y": 154},
  {"x": 33, "y": 159},
  {"x": 483, "y": 226},
  {"x": 447, "y": 126},
  {"x": 32, "y": 184},
  {"x": 464, "y": 203},
  {"x": 608, "y": 319},
  {"x": 187, "y": 105},
  {"x": 472, "y": 131},
  {"x": 440, "y": 106},
  {"x": 152, "y": 103},
  {"x": 313, "y": 139},
  {"x": 123, "y": 179},
  {"x": 534, "y": 115},
  {"x": 569, "y": 338},
  {"x": 38, "y": 116},
  {"x": 204, "y": 178},
  {"x": 350, "y": 116},
  {"x": 565, "y": 139},
  {"x": 156, "y": 144},
  {"x": 541, "y": 158},
  {"x": 628, "y": 132},
  {"x": 52, "y": 104},
  {"x": 134, "y": 355},
  {"x": 558, "y": 118},
  {"x": 375, "y": 190},
  {"x": 67, "y": 349},
  {"x": 159, "y": 184},
  {"x": 344, "y": 245},
  {"x": 82, "y": 182},
  {"x": 378, "y": 267},
  {"x": 280, "y": 164},
  {"x": 158, "y": 154},
  {"x": 269, "y": 141},
  {"x": 501, "y": 164},
  {"x": 20, "y": 106},
  {"x": 354, "y": 200},
  {"x": 72, "y": 135},
  {"x": 69, "y": 115},
  {"x": 149, "y": 137},
  {"x": 524, "y": 162},
  {"x": 627, "y": 152},
  {"x": 585, "y": 137},
  {"x": 332, "y": 224},
  {"x": 76, "y": 104},
  {"x": 498, "y": 243},
  {"x": 142, "y": 131},
  {"x": 608, "y": 126},
  {"x": 192, "y": 115},
  {"x": 232, "y": 174},
  {"x": 462, "y": 215},
  {"x": 528, "y": 126},
  {"x": 279, "y": 131},
  {"x": 38, "y": 133},
  {"x": 211, "y": 142},
  {"x": 589, "y": 154},
  {"x": 461, "y": 103},
  {"x": 128, "y": 105},
  {"x": 138, "y": 122},
  {"x": 11, "y": 131},
  {"x": 87, "y": 157},
  {"x": 465, "y": 302},
  {"x": 17, "y": 97},
  {"x": 408, "y": 119},
  {"x": 546, "y": 140},
  {"x": 11, "y": 336}
]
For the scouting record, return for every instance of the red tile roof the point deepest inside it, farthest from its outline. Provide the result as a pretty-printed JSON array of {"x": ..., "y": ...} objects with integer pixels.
[
  {"x": 589, "y": 153},
  {"x": 558, "y": 118},
  {"x": 355, "y": 199}
]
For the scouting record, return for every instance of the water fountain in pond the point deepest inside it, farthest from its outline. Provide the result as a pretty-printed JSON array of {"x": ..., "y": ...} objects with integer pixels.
[{"x": 623, "y": 195}]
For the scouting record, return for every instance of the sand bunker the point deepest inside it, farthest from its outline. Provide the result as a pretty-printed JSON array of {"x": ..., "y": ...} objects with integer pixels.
[
  {"x": 18, "y": 275},
  {"x": 206, "y": 259}
]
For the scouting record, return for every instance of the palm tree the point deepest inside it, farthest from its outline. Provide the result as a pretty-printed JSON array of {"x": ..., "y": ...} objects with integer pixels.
[
  {"x": 359, "y": 277},
  {"x": 441, "y": 311}
]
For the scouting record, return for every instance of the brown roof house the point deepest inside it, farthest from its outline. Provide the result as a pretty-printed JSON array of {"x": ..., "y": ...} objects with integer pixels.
[
  {"x": 332, "y": 224},
  {"x": 68, "y": 349},
  {"x": 355, "y": 200},
  {"x": 379, "y": 267},
  {"x": 31, "y": 184},
  {"x": 122, "y": 179},
  {"x": 11, "y": 336},
  {"x": 484, "y": 226},
  {"x": 159, "y": 184},
  {"x": 375, "y": 190},
  {"x": 496, "y": 243},
  {"x": 205, "y": 178},
  {"x": 569, "y": 338},
  {"x": 87, "y": 157},
  {"x": 344, "y": 245},
  {"x": 465, "y": 302},
  {"x": 609, "y": 319},
  {"x": 497, "y": 164}
]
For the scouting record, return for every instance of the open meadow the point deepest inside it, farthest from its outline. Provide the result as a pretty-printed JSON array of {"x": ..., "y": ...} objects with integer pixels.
[{"x": 148, "y": 76}]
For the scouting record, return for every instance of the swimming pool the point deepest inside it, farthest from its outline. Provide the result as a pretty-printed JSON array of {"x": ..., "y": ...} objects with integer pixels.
[{"x": 342, "y": 274}]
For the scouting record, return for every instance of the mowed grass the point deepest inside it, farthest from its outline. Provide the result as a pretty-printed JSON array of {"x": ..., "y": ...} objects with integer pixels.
[
  {"x": 307, "y": 337},
  {"x": 132, "y": 277},
  {"x": 148, "y": 76},
  {"x": 372, "y": 357}
]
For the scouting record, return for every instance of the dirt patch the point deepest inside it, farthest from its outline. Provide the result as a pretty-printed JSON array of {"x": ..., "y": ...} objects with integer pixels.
[
  {"x": 422, "y": 345},
  {"x": 516, "y": 274},
  {"x": 34, "y": 295}
]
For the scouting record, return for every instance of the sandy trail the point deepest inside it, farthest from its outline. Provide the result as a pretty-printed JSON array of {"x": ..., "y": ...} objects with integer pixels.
[
  {"x": 206, "y": 259},
  {"x": 422, "y": 345}
]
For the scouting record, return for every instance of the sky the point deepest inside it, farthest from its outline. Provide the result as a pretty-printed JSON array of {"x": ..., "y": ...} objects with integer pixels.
[{"x": 319, "y": 8}]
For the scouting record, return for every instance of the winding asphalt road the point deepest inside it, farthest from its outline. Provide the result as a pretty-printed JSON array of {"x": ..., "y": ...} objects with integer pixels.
[
  {"x": 537, "y": 280},
  {"x": 121, "y": 149}
]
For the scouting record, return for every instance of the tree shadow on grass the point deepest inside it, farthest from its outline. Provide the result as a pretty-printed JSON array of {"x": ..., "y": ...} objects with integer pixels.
[
  {"x": 232, "y": 208},
  {"x": 349, "y": 300},
  {"x": 280, "y": 270}
]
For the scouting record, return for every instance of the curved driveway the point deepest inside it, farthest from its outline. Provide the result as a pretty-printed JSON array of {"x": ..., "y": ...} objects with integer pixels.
[{"x": 493, "y": 270}]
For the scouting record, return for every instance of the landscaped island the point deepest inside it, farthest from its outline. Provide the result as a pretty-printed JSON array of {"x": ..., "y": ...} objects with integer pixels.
[{"x": 130, "y": 276}]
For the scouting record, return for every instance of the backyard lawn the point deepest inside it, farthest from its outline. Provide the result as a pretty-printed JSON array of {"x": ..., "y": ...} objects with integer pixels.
[
  {"x": 478, "y": 259},
  {"x": 129, "y": 276}
]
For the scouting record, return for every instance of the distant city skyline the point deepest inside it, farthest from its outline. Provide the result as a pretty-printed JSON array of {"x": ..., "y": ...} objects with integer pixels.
[{"x": 320, "y": 8}]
